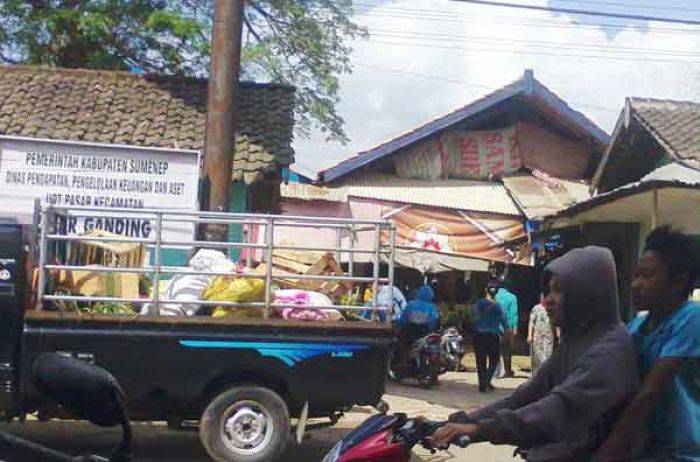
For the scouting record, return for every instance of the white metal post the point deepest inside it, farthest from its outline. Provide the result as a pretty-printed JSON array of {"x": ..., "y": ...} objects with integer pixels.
[
  {"x": 392, "y": 248},
  {"x": 338, "y": 244},
  {"x": 157, "y": 257},
  {"x": 351, "y": 255},
  {"x": 375, "y": 285},
  {"x": 248, "y": 233},
  {"x": 43, "y": 249},
  {"x": 269, "y": 238}
]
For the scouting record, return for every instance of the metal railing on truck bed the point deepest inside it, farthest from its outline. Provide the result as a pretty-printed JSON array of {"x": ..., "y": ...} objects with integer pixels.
[{"x": 58, "y": 232}]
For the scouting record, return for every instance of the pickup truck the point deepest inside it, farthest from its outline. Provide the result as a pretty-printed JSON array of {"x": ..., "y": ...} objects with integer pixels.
[{"x": 245, "y": 382}]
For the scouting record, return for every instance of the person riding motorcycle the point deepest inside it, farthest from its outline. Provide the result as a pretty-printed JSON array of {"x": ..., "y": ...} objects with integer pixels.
[
  {"x": 565, "y": 411},
  {"x": 420, "y": 317}
]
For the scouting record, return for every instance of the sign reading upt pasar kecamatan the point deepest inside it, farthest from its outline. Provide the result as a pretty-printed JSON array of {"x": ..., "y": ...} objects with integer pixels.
[{"x": 103, "y": 176}]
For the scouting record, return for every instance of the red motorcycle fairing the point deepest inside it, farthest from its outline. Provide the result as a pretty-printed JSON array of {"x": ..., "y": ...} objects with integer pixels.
[{"x": 378, "y": 448}]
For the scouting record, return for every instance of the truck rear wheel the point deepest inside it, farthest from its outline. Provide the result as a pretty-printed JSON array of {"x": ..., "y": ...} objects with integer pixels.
[{"x": 245, "y": 424}]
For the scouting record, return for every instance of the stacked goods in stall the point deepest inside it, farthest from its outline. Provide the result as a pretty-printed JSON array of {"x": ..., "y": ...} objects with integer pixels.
[
  {"x": 292, "y": 297},
  {"x": 95, "y": 283},
  {"x": 115, "y": 254},
  {"x": 288, "y": 265}
]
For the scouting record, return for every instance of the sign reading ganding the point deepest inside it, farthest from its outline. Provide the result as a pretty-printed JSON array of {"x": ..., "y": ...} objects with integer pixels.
[{"x": 98, "y": 175}]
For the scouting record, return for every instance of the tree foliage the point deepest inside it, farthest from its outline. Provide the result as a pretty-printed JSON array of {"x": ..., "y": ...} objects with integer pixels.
[{"x": 304, "y": 43}]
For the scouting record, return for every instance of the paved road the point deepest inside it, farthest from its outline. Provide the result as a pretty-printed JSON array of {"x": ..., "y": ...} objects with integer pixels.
[{"x": 155, "y": 443}]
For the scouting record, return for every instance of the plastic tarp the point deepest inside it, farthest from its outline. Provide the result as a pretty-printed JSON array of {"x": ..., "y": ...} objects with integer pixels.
[
  {"x": 434, "y": 240},
  {"x": 462, "y": 154},
  {"x": 435, "y": 262}
]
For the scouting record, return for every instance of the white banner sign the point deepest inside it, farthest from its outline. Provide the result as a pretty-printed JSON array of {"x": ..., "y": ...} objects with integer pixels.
[{"x": 73, "y": 174}]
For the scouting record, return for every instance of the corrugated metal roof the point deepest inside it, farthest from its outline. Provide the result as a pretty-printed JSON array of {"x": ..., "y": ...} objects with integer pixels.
[
  {"x": 674, "y": 172},
  {"x": 309, "y": 192},
  {"x": 476, "y": 196},
  {"x": 675, "y": 192},
  {"x": 539, "y": 195},
  {"x": 527, "y": 87}
]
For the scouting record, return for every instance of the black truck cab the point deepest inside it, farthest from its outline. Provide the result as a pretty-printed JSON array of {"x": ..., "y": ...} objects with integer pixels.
[{"x": 11, "y": 312}]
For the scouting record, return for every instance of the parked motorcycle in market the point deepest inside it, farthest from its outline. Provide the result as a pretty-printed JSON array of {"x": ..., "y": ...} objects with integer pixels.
[
  {"x": 452, "y": 344},
  {"x": 387, "y": 438},
  {"x": 424, "y": 362}
]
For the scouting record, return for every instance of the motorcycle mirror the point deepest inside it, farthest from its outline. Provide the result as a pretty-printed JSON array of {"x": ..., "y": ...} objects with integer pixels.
[{"x": 88, "y": 391}]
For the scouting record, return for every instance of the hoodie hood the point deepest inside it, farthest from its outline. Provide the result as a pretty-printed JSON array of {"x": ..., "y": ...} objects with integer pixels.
[
  {"x": 426, "y": 294},
  {"x": 588, "y": 279}
]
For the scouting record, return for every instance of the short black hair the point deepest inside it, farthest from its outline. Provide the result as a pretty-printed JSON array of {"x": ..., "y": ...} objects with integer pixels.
[
  {"x": 491, "y": 290},
  {"x": 678, "y": 251}
]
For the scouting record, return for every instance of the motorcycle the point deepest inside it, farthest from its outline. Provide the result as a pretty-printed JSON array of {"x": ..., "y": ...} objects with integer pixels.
[
  {"x": 453, "y": 349},
  {"x": 424, "y": 363},
  {"x": 90, "y": 393},
  {"x": 389, "y": 438}
]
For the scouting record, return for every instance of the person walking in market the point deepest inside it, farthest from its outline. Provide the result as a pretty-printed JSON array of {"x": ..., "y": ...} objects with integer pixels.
[
  {"x": 666, "y": 411},
  {"x": 541, "y": 336},
  {"x": 489, "y": 324},
  {"x": 509, "y": 303}
]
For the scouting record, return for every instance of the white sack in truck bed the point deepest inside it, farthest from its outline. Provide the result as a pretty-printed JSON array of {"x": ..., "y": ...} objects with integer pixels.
[{"x": 189, "y": 287}]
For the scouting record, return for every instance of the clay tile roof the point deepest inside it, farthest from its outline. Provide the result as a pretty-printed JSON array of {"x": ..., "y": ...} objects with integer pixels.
[
  {"x": 675, "y": 123},
  {"x": 151, "y": 111}
]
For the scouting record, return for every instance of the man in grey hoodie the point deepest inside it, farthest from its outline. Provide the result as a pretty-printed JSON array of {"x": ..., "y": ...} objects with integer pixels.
[{"x": 566, "y": 410}]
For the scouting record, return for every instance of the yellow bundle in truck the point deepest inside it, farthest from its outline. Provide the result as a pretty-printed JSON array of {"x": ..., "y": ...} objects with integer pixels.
[{"x": 238, "y": 290}]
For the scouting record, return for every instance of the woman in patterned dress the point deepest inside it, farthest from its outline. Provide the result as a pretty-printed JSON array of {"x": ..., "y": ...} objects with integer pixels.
[{"x": 541, "y": 336}]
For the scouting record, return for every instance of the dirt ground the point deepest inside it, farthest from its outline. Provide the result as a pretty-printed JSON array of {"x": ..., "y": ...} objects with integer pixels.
[{"x": 155, "y": 443}]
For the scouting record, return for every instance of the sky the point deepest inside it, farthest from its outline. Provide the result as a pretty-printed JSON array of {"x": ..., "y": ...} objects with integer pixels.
[{"x": 425, "y": 58}]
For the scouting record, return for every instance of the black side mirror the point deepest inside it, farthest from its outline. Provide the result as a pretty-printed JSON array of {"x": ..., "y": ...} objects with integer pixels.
[{"x": 88, "y": 391}]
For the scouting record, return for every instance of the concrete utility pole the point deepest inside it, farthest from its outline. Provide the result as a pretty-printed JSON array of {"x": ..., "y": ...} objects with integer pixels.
[{"x": 221, "y": 110}]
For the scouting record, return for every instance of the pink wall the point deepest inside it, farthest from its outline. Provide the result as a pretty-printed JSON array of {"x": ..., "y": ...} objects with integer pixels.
[{"x": 309, "y": 237}]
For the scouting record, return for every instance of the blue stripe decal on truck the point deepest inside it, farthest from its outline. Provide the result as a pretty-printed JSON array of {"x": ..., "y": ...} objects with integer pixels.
[{"x": 289, "y": 353}]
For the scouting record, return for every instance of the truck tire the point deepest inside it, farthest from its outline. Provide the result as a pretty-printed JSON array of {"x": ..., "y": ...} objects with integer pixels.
[{"x": 245, "y": 424}]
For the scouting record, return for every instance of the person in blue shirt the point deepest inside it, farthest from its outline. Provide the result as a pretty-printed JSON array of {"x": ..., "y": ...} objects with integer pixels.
[
  {"x": 387, "y": 297},
  {"x": 420, "y": 317},
  {"x": 667, "y": 338},
  {"x": 422, "y": 311},
  {"x": 509, "y": 303},
  {"x": 489, "y": 323}
]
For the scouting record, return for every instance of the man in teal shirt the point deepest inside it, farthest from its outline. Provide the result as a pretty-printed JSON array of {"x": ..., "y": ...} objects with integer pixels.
[
  {"x": 667, "y": 336},
  {"x": 509, "y": 303}
]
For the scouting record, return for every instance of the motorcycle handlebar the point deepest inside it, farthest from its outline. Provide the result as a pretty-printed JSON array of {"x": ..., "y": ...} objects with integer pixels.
[{"x": 432, "y": 426}]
